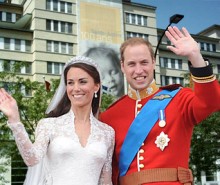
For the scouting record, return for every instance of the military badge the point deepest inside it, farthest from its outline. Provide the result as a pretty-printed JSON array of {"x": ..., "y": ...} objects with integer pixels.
[
  {"x": 161, "y": 97},
  {"x": 162, "y": 141}
]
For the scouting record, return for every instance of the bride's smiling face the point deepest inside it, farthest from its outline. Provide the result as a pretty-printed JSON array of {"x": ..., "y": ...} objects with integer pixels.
[{"x": 80, "y": 87}]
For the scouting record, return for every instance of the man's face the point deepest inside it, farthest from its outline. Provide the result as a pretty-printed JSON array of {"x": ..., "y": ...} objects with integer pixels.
[{"x": 138, "y": 66}]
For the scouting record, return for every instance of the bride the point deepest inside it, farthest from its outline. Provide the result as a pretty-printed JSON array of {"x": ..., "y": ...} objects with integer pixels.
[{"x": 71, "y": 146}]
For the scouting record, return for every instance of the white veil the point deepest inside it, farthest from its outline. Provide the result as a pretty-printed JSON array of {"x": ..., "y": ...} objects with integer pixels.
[{"x": 62, "y": 87}]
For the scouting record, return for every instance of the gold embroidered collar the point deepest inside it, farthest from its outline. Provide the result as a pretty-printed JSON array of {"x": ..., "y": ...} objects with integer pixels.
[{"x": 138, "y": 95}]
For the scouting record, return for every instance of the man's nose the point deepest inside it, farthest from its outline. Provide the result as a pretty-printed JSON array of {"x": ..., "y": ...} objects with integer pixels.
[{"x": 138, "y": 69}]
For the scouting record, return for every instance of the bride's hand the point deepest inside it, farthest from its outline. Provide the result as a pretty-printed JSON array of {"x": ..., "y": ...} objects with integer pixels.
[{"x": 8, "y": 106}]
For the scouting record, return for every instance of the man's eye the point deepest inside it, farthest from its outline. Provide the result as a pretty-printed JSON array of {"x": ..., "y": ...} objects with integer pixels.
[
  {"x": 130, "y": 64},
  {"x": 145, "y": 62}
]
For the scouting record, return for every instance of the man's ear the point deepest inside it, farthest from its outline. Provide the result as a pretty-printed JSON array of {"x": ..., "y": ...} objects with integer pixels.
[
  {"x": 122, "y": 66},
  {"x": 154, "y": 63}
]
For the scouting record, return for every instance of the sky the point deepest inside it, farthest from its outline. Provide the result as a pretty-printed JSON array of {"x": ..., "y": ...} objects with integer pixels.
[{"x": 198, "y": 14}]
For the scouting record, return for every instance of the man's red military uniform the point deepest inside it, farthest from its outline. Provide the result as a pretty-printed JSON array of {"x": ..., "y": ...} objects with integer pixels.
[{"x": 185, "y": 110}]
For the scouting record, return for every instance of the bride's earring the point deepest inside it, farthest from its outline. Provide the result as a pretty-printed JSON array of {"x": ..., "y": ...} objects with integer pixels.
[{"x": 95, "y": 95}]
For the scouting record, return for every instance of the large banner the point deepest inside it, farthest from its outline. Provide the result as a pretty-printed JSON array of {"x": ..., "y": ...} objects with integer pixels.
[{"x": 101, "y": 33}]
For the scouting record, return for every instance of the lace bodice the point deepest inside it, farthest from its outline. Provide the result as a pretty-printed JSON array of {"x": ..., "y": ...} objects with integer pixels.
[{"x": 68, "y": 162}]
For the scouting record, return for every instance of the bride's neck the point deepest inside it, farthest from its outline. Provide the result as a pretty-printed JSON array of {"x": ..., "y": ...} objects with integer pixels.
[{"x": 82, "y": 115}]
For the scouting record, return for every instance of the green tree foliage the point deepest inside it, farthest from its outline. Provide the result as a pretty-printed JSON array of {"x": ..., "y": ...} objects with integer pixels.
[
  {"x": 205, "y": 144},
  {"x": 107, "y": 100}
]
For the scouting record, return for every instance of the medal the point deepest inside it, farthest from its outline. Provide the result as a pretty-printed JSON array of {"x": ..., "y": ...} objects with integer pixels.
[
  {"x": 162, "y": 141},
  {"x": 162, "y": 122}
]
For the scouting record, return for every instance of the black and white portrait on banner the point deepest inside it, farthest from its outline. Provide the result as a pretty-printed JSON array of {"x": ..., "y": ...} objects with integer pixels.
[{"x": 100, "y": 39}]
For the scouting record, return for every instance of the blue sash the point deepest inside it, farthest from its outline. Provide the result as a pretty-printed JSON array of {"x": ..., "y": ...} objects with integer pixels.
[{"x": 141, "y": 127}]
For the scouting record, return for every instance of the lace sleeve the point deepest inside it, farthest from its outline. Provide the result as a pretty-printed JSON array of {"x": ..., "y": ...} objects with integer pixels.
[
  {"x": 106, "y": 174},
  {"x": 31, "y": 153}
]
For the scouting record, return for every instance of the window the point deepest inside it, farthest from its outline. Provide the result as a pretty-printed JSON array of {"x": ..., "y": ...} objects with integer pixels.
[
  {"x": 133, "y": 34},
  {"x": 55, "y": 5},
  {"x": 17, "y": 44},
  {"x": 49, "y": 67},
  {"x": 49, "y": 46},
  {"x": 127, "y": 18},
  {"x": 60, "y": 47},
  {"x": 28, "y": 68},
  {"x": 167, "y": 80},
  {"x": 70, "y": 48},
  {"x": 56, "y": 46},
  {"x": 136, "y": 19},
  {"x": 48, "y": 5},
  {"x": 202, "y": 46},
  {"x": 63, "y": 47},
  {"x": 8, "y": 17},
  {"x": 62, "y": 6},
  {"x": 173, "y": 63},
  {"x": 163, "y": 62},
  {"x": 7, "y": 43},
  {"x": 133, "y": 20},
  {"x": 55, "y": 25},
  {"x": 214, "y": 47},
  {"x": 139, "y": 22},
  {"x": 63, "y": 26},
  {"x": 48, "y": 25},
  {"x": 69, "y": 7},
  {"x": 59, "y": 26},
  {"x": 144, "y": 21},
  {"x": 9, "y": 65},
  {"x": 207, "y": 47},
  {"x": 69, "y": 28},
  {"x": 59, "y": 6},
  {"x": 180, "y": 64},
  {"x": 25, "y": 69},
  {"x": 170, "y": 63},
  {"x": 25, "y": 91},
  {"x": 55, "y": 68}
]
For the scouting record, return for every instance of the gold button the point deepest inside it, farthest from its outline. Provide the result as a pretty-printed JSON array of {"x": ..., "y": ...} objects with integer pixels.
[
  {"x": 141, "y": 158},
  {"x": 141, "y": 165},
  {"x": 142, "y": 144},
  {"x": 141, "y": 150},
  {"x": 138, "y": 112},
  {"x": 139, "y": 105}
]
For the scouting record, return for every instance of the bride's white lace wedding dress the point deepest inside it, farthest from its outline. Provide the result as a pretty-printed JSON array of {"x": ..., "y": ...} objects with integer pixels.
[{"x": 57, "y": 157}]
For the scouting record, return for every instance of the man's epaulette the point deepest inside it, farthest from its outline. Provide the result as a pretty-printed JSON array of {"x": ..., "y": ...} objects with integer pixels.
[
  {"x": 115, "y": 102},
  {"x": 171, "y": 87}
]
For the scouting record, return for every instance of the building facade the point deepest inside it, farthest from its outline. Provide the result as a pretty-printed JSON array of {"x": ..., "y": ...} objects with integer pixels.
[{"x": 45, "y": 34}]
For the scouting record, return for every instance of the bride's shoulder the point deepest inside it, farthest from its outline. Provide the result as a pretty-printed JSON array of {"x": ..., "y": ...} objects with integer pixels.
[{"x": 51, "y": 121}]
